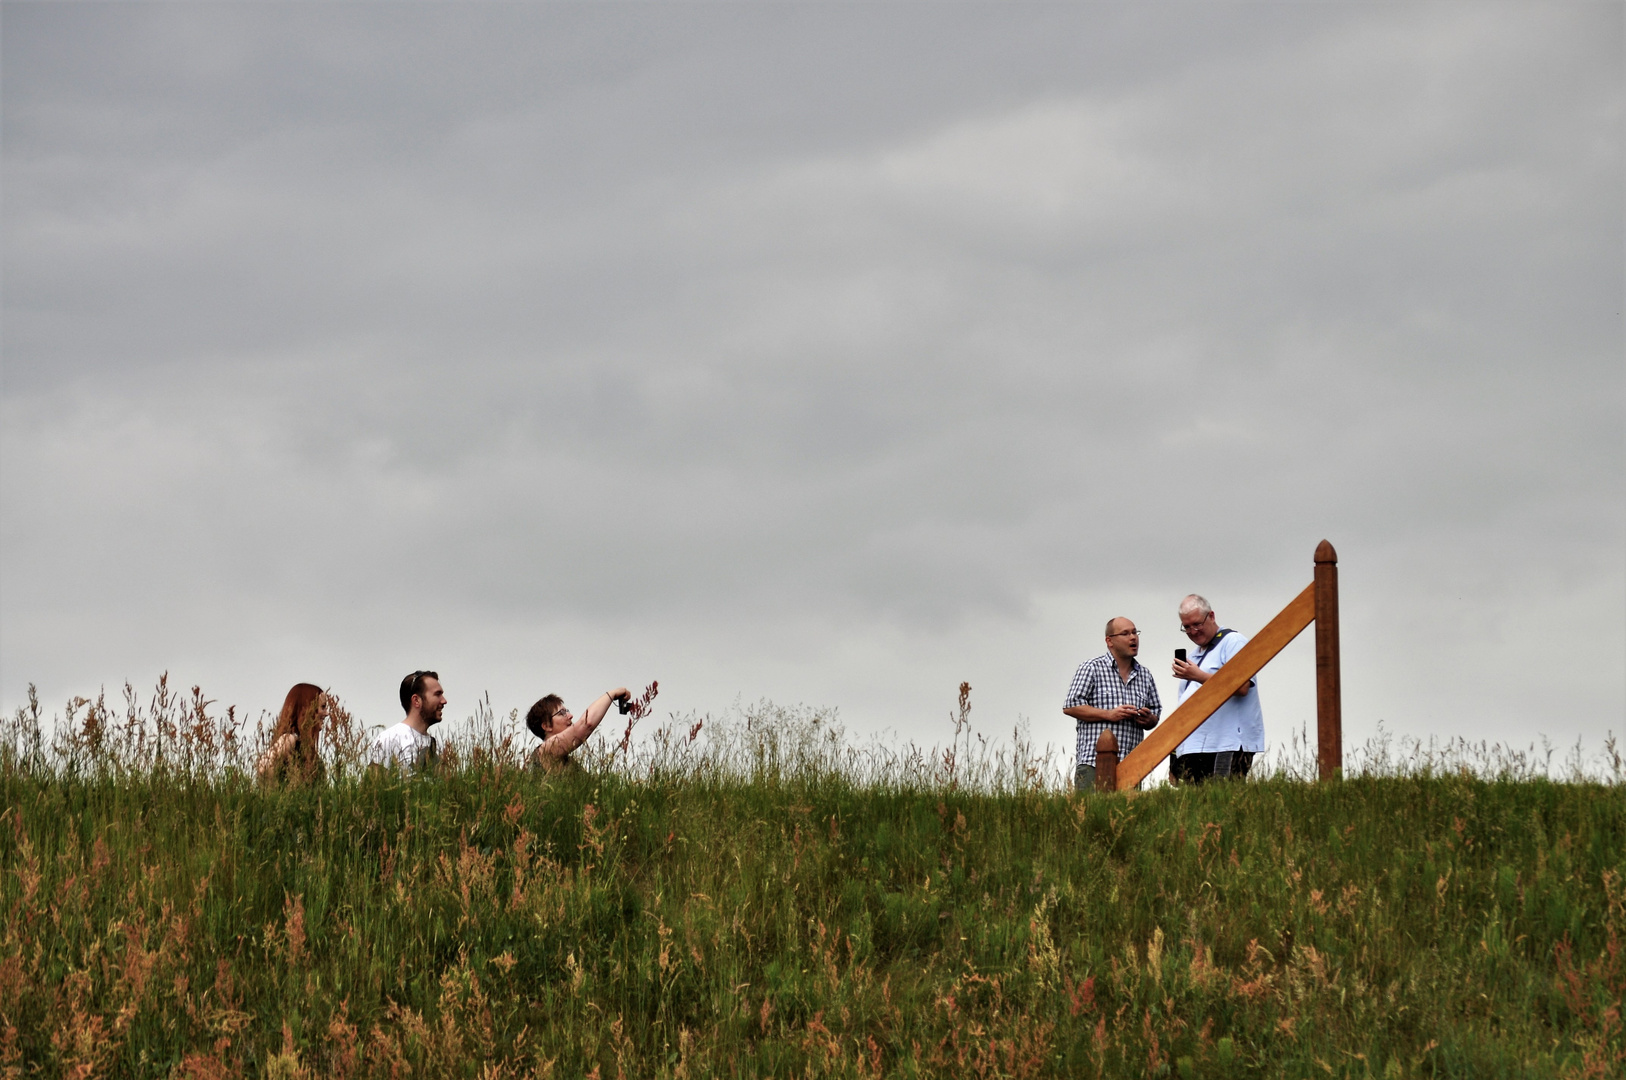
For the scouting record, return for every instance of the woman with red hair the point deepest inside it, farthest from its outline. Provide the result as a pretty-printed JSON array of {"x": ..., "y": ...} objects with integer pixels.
[{"x": 295, "y": 741}]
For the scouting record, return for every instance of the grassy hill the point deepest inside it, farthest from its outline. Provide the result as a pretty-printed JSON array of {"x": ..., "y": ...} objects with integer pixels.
[{"x": 776, "y": 913}]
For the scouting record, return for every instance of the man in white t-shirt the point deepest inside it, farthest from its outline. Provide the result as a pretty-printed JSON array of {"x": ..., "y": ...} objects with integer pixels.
[
  {"x": 1224, "y": 745},
  {"x": 409, "y": 742}
]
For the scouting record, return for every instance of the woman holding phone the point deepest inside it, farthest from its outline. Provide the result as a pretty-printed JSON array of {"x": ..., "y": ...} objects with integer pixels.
[{"x": 560, "y": 731}]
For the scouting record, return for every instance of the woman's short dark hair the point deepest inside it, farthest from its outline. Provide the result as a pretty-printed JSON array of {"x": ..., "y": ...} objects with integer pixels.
[
  {"x": 537, "y": 719},
  {"x": 412, "y": 685}
]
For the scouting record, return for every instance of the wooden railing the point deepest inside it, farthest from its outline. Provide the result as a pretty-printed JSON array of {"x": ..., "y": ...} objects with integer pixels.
[{"x": 1318, "y": 603}]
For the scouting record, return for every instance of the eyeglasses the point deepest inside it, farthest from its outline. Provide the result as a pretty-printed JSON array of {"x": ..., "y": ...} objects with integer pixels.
[
  {"x": 1126, "y": 633},
  {"x": 1188, "y": 627}
]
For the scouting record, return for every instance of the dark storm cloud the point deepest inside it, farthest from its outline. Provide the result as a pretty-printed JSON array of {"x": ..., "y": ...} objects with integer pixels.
[{"x": 824, "y": 317}]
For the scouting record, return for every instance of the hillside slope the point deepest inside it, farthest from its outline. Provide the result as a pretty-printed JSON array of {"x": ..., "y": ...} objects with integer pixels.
[{"x": 487, "y": 922}]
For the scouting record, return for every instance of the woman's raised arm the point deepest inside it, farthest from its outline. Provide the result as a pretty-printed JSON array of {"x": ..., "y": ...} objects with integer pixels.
[{"x": 573, "y": 736}]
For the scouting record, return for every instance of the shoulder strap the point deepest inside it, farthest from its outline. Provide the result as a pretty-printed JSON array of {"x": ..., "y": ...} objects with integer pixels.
[{"x": 1215, "y": 640}]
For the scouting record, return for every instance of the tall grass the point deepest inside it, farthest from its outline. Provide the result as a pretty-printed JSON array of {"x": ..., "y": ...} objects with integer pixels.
[{"x": 756, "y": 894}]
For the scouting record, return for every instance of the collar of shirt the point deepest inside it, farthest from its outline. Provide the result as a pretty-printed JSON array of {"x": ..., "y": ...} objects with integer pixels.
[
  {"x": 1213, "y": 643},
  {"x": 1107, "y": 659}
]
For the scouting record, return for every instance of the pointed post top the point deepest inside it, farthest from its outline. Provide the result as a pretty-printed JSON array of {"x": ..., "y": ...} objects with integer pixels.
[
  {"x": 1106, "y": 742},
  {"x": 1324, "y": 553}
]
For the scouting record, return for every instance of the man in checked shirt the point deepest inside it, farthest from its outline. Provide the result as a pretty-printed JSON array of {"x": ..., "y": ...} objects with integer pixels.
[{"x": 1112, "y": 691}]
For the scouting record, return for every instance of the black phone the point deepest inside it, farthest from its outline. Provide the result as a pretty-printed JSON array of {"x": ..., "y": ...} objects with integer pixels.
[{"x": 1179, "y": 654}]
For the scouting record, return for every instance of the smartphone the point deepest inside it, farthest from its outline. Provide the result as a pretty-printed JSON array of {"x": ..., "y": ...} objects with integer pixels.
[{"x": 1179, "y": 654}]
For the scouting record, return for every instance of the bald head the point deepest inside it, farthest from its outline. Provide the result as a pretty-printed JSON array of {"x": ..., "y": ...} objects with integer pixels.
[{"x": 1123, "y": 640}]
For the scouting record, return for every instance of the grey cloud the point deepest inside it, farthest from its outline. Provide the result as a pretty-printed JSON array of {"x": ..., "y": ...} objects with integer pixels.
[{"x": 721, "y": 317}]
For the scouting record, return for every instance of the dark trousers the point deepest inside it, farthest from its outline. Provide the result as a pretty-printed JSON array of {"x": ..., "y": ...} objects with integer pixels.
[{"x": 1195, "y": 768}]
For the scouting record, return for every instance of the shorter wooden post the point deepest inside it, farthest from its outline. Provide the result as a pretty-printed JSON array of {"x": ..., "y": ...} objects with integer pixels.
[
  {"x": 1329, "y": 712},
  {"x": 1106, "y": 761}
]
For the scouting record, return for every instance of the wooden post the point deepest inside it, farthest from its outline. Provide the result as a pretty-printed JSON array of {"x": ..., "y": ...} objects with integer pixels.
[
  {"x": 1329, "y": 716},
  {"x": 1106, "y": 761}
]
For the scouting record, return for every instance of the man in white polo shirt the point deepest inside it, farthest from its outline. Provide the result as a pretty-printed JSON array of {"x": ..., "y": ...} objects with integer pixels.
[
  {"x": 409, "y": 742},
  {"x": 1225, "y": 743}
]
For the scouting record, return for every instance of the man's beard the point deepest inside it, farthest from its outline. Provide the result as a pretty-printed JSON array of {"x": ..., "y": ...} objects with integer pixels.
[{"x": 430, "y": 719}]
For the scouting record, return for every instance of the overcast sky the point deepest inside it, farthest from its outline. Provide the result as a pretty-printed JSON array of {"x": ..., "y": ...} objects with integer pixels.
[{"x": 830, "y": 354}]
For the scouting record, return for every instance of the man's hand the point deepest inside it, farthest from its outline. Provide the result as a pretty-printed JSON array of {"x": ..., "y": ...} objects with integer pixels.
[
  {"x": 1133, "y": 714},
  {"x": 1185, "y": 669}
]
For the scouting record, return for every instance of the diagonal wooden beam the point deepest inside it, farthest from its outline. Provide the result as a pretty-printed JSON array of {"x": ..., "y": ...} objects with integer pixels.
[{"x": 1259, "y": 650}]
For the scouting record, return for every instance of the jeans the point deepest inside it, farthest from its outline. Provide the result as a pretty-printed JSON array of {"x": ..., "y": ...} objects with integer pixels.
[{"x": 1084, "y": 778}]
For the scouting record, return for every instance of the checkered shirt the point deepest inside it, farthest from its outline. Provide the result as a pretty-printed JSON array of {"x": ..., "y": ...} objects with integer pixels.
[{"x": 1098, "y": 685}]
